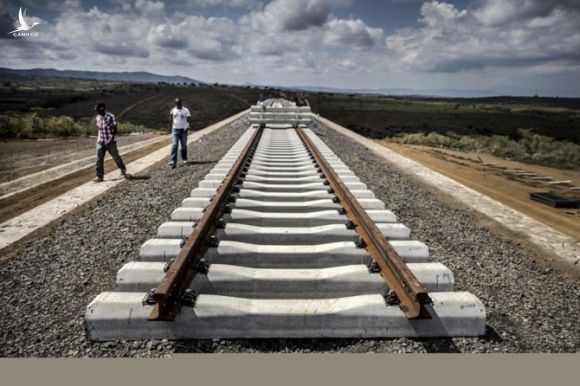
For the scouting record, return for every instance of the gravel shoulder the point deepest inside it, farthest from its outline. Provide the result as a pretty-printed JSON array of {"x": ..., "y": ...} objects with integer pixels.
[
  {"x": 529, "y": 307},
  {"x": 46, "y": 285},
  {"x": 53, "y": 278}
]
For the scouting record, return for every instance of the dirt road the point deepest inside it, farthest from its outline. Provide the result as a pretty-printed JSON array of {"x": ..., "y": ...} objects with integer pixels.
[
  {"x": 472, "y": 170},
  {"x": 21, "y": 202},
  {"x": 19, "y": 158}
]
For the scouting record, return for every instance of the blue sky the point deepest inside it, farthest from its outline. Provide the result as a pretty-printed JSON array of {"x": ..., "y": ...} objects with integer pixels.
[{"x": 493, "y": 46}]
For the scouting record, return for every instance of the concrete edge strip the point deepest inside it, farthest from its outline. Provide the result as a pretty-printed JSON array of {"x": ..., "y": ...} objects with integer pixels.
[
  {"x": 33, "y": 180},
  {"x": 564, "y": 247},
  {"x": 42, "y": 215}
]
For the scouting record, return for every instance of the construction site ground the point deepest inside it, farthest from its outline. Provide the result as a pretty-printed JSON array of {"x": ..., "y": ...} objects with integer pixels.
[{"x": 470, "y": 169}]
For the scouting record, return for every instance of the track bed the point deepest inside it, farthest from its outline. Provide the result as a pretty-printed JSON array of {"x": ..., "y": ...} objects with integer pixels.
[{"x": 284, "y": 263}]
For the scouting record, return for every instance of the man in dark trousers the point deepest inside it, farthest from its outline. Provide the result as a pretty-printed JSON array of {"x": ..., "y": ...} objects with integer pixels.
[
  {"x": 179, "y": 117},
  {"x": 107, "y": 141}
]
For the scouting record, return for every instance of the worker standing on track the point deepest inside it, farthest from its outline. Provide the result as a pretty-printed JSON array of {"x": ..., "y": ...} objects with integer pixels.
[
  {"x": 107, "y": 141},
  {"x": 180, "y": 118}
]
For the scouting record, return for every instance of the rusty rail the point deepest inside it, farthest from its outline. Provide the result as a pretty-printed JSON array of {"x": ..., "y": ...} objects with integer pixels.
[
  {"x": 410, "y": 293},
  {"x": 172, "y": 291}
]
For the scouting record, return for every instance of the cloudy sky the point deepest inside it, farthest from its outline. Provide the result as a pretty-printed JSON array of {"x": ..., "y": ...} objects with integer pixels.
[{"x": 513, "y": 47}]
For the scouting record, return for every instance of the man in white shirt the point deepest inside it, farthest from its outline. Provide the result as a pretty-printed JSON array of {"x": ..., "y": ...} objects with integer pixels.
[{"x": 180, "y": 118}]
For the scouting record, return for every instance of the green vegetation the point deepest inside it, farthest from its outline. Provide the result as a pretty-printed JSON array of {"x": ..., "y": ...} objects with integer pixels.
[
  {"x": 380, "y": 116},
  {"x": 15, "y": 125},
  {"x": 380, "y": 103},
  {"x": 530, "y": 148},
  {"x": 458, "y": 105},
  {"x": 147, "y": 105},
  {"x": 46, "y": 107}
]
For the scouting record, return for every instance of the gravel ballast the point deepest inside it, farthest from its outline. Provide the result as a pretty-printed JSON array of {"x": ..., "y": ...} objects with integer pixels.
[{"x": 46, "y": 286}]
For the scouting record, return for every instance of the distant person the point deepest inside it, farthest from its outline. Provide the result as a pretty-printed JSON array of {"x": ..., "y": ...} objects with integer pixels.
[
  {"x": 180, "y": 118},
  {"x": 107, "y": 141},
  {"x": 296, "y": 100}
]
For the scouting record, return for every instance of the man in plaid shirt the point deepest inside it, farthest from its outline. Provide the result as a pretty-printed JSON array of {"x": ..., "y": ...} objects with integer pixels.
[{"x": 107, "y": 141}]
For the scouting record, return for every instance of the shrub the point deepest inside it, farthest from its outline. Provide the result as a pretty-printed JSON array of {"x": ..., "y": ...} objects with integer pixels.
[
  {"x": 530, "y": 147},
  {"x": 35, "y": 125}
]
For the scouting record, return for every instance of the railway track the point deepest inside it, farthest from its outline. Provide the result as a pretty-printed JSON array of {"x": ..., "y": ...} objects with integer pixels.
[{"x": 282, "y": 240}]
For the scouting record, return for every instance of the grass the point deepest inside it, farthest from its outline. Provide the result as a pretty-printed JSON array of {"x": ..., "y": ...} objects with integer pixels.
[
  {"x": 529, "y": 148},
  {"x": 36, "y": 125}
]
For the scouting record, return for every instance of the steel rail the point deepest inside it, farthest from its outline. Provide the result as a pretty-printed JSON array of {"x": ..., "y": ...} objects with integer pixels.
[
  {"x": 169, "y": 295},
  {"x": 410, "y": 293}
]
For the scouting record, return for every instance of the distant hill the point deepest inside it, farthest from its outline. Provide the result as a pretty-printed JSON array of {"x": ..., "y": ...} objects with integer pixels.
[
  {"x": 133, "y": 77},
  {"x": 448, "y": 93},
  {"x": 427, "y": 93}
]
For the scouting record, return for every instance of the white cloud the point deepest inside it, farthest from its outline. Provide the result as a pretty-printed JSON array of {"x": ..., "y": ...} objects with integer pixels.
[
  {"x": 439, "y": 14},
  {"x": 269, "y": 45},
  {"x": 353, "y": 32},
  {"x": 210, "y": 38},
  {"x": 141, "y": 36},
  {"x": 297, "y": 42},
  {"x": 454, "y": 40},
  {"x": 168, "y": 36},
  {"x": 150, "y": 7},
  {"x": 225, "y": 3},
  {"x": 502, "y": 12},
  {"x": 292, "y": 15}
]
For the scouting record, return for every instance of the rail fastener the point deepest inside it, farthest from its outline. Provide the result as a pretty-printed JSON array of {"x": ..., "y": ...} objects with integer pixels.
[
  {"x": 173, "y": 291},
  {"x": 399, "y": 279}
]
